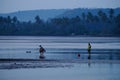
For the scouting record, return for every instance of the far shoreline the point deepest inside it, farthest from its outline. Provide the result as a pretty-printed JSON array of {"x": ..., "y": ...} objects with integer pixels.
[{"x": 62, "y": 36}]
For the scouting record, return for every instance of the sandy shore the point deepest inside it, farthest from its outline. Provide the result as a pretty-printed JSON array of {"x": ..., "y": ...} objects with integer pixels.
[{"x": 46, "y": 63}]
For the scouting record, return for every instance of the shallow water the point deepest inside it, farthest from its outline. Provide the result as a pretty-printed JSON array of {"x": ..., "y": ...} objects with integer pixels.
[
  {"x": 81, "y": 71},
  {"x": 103, "y": 48}
]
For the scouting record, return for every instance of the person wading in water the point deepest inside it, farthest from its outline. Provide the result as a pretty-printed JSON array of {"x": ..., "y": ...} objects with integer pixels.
[
  {"x": 42, "y": 50},
  {"x": 89, "y": 50}
]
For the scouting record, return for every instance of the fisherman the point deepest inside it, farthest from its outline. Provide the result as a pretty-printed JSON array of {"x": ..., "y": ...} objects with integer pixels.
[
  {"x": 89, "y": 50},
  {"x": 42, "y": 50}
]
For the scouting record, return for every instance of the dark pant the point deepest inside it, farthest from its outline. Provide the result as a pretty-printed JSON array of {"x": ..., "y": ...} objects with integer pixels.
[{"x": 89, "y": 54}]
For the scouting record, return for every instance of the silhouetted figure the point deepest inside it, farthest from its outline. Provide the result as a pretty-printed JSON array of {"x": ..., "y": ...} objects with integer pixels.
[
  {"x": 42, "y": 50},
  {"x": 89, "y": 50},
  {"x": 78, "y": 55}
]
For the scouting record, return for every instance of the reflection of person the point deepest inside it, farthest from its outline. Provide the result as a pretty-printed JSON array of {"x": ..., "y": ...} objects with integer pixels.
[
  {"x": 42, "y": 50},
  {"x": 89, "y": 63},
  {"x": 89, "y": 50}
]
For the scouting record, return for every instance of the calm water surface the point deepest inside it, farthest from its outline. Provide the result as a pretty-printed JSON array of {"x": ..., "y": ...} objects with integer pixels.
[
  {"x": 78, "y": 72},
  {"x": 103, "y": 48}
]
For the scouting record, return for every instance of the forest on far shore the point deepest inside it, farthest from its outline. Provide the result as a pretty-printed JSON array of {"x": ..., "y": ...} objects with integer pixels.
[{"x": 88, "y": 24}]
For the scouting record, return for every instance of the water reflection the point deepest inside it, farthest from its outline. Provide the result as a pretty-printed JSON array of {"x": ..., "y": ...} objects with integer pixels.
[{"x": 89, "y": 64}]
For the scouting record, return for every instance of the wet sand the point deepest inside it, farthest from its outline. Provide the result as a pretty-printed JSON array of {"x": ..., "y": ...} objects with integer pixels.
[
  {"x": 29, "y": 69},
  {"x": 48, "y": 63}
]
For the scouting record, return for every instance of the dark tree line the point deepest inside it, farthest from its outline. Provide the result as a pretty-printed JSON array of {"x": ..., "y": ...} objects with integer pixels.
[{"x": 84, "y": 24}]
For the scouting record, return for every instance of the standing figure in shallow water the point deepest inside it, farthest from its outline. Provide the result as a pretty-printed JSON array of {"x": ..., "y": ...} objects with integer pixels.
[
  {"x": 89, "y": 50},
  {"x": 42, "y": 50}
]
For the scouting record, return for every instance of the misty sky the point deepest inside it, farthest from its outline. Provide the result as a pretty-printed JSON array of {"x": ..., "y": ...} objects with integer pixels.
[{"x": 19, "y": 5}]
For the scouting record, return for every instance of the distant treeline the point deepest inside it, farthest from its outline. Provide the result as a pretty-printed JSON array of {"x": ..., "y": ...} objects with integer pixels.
[{"x": 101, "y": 24}]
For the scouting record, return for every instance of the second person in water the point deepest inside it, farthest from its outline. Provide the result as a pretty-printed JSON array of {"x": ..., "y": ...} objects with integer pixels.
[
  {"x": 89, "y": 50},
  {"x": 42, "y": 50}
]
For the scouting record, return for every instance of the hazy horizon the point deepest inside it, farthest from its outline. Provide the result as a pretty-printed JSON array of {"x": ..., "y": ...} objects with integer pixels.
[
  {"x": 54, "y": 9},
  {"x": 8, "y": 6}
]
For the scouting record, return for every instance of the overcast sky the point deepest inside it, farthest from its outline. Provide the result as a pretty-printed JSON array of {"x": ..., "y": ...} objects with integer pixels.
[{"x": 19, "y": 5}]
